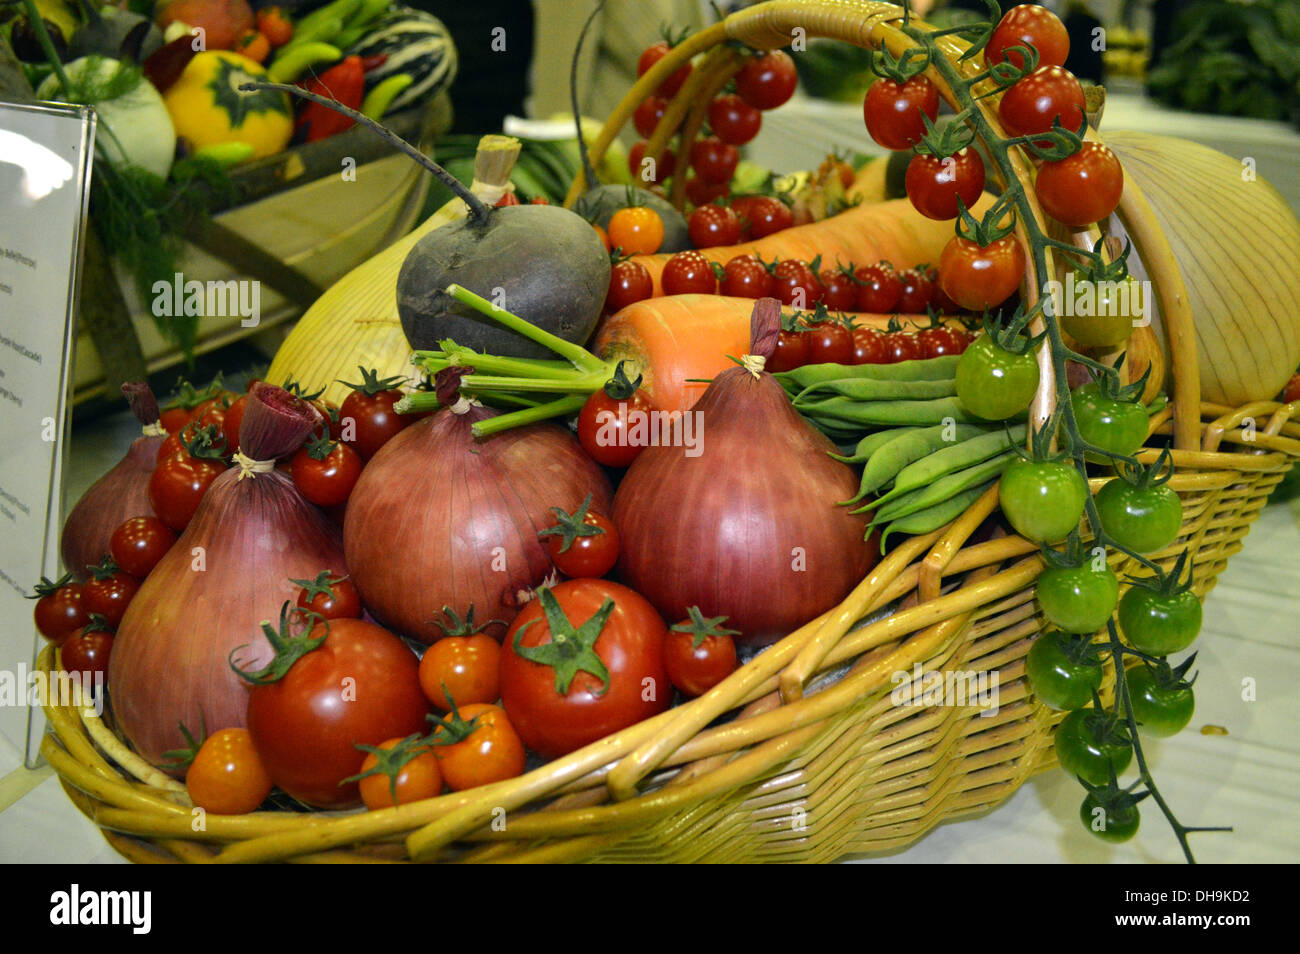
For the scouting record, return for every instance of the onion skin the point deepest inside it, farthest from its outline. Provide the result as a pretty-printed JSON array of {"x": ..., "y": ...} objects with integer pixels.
[
  {"x": 170, "y": 661},
  {"x": 116, "y": 497},
  {"x": 720, "y": 530},
  {"x": 434, "y": 504}
]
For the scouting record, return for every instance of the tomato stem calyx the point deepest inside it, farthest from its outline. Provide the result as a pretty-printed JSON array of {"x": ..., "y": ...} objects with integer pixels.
[
  {"x": 572, "y": 525},
  {"x": 322, "y": 585},
  {"x": 391, "y": 761},
  {"x": 288, "y": 648},
  {"x": 570, "y": 649},
  {"x": 456, "y": 626},
  {"x": 701, "y": 628}
]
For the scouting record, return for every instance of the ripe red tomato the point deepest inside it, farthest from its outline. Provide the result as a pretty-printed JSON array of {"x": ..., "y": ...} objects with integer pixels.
[
  {"x": 108, "y": 592},
  {"x": 746, "y": 277},
  {"x": 139, "y": 543},
  {"x": 902, "y": 346},
  {"x": 329, "y": 596},
  {"x": 399, "y": 772},
  {"x": 507, "y": 199},
  {"x": 767, "y": 81},
  {"x": 227, "y": 776},
  {"x": 879, "y": 289},
  {"x": 791, "y": 352},
  {"x": 868, "y": 347},
  {"x": 916, "y": 288},
  {"x": 582, "y": 544},
  {"x": 939, "y": 341},
  {"x": 713, "y": 225},
  {"x": 648, "y": 114},
  {"x": 360, "y": 685},
  {"x": 607, "y": 674},
  {"x": 733, "y": 120},
  {"x": 829, "y": 342},
  {"x": 1028, "y": 25},
  {"x": 461, "y": 669},
  {"x": 177, "y": 486},
  {"x": 325, "y": 472},
  {"x": 689, "y": 273},
  {"x": 839, "y": 290},
  {"x": 1030, "y": 105},
  {"x": 1083, "y": 188},
  {"x": 614, "y": 430},
  {"x": 935, "y": 184},
  {"x": 892, "y": 111},
  {"x": 699, "y": 653},
  {"x": 977, "y": 278},
  {"x": 629, "y": 282},
  {"x": 652, "y": 55},
  {"x": 701, "y": 193},
  {"x": 231, "y": 424},
  {"x": 59, "y": 611},
  {"x": 1292, "y": 390},
  {"x": 476, "y": 746},
  {"x": 367, "y": 416},
  {"x": 762, "y": 215},
  {"x": 795, "y": 283},
  {"x": 86, "y": 652},
  {"x": 713, "y": 160},
  {"x": 636, "y": 162},
  {"x": 174, "y": 418}
]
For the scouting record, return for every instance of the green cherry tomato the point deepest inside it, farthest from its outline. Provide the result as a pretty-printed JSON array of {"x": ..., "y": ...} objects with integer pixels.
[
  {"x": 1043, "y": 499},
  {"x": 1062, "y": 672},
  {"x": 1088, "y": 741},
  {"x": 1117, "y": 426},
  {"x": 1141, "y": 519},
  {"x": 1162, "y": 706},
  {"x": 993, "y": 383},
  {"x": 1115, "y": 823},
  {"x": 1078, "y": 599},
  {"x": 1157, "y": 623}
]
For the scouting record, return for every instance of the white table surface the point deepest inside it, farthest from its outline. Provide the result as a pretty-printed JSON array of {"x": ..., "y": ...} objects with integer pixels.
[{"x": 1248, "y": 778}]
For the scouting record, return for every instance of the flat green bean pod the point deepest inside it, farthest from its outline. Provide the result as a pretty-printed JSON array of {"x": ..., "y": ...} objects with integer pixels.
[
  {"x": 926, "y": 369},
  {"x": 842, "y": 411},
  {"x": 937, "y": 491},
  {"x": 914, "y": 445},
  {"x": 873, "y": 389},
  {"x": 873, "y": 442},
  {"x": 932, "y": 518},
  {"x": 955, "y": 457}
]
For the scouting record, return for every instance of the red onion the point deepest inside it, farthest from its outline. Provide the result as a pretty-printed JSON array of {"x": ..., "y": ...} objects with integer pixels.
[
  {"x": 170, "y": 661},
  {"x": 440, "y": 518},
  {"x": 119, "y": 495},
  {"x": 749, "y": 528}
]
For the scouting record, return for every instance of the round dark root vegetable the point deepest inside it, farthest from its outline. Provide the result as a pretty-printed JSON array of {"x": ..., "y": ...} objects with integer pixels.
[{"x": 543, "y": 263}]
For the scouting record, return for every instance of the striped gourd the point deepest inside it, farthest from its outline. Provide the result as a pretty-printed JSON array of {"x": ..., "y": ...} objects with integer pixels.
[{"x": 416, "y": 43}]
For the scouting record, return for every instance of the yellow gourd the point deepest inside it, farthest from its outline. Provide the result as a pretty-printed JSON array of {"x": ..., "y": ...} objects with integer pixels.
[{"x": 207, "y": 107}]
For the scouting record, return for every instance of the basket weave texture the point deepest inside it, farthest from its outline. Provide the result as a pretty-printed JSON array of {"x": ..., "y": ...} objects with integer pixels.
[{"x": 821, "y": 752}]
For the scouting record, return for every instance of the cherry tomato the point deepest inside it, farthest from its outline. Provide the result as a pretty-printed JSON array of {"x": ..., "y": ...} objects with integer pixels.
[
  {"x": 629, "y": 282},
  {"x": 177, "y": 486},
  {"x": 795, "y": 283},
  {"x": 1163, "y": 703},
  {"x": 916, "y": 288},
  {"x": 713, "y": 160},
  {"x": 762, "y": 215},
  {"x": 939, "y": 341},
  {"x": 399, "y": 772},
  {"x": 688, "y": 273},
  {"x": 86, "y": 652},
  {"x": 174, "y": 418},
  {"x": 59, "y": 610},
  {"x": 1105, "y": 315},
  {"x": 746, "y": 277},
  {"x": 637, "y": 230},
  {"x": 1159, "y": 623},
  {"x": 606, "y": 674},
  {"x": 613, "y": 430},
  {"x": 1114, "y": 820},
  {"x": 791, "y": 352},
  {"x": 193, "y": 435},
  {"x": 231, "y": 424},
  {"x": 227, "y": 776},
  {"x": 648, "y": 114},
  {"x": 647, "y": 171},
  {"x": 840, "y": 291},
  {"x": 1031, "y": 104},
  {"x": 1090, "y": 743},
  {"x": 699, "y": 653},
  {"x": 1292, "y": 390},
  {"x": 1117, "y": 426},
  {"x": 879, "y": 289},
  {"x": 979, "y": 277},
  {"x": 892, "y": 111},
  {"x": 325, "y": 472},
  {"x": 478, "y": 745},
  {"x": 1028, "y": 25},
  {"x": 464, "y": 668},
  {"x": 367, "y": 416},
  {"x": 1078, "y": 599},
  {"x": 733, "y": 120},
  {"x": 1063, "y": 671},
  {"x": 1083, "y": 188},
  {"x": 139, "y": 543},
  {"x": 652, "y": 55},
  {"x": 702, "y": 193},
  {"x": 869, "y": 347},
  {"x": 604, "y": 236},
  {"x": 934, "y": 184},
  {"x": 767, "y": 81},
  {"x": 829, "y": 342},
  {"x": 329, "y": 596},
  {"x": 1043, "y": 500},
  {"x": 902, "y": 346},
  {"x": 994, "y": 383},
  {"x": 507, "y": 199},
  {"x": 713, "y": 225},
  {"x": 108, "y": 592},
  {"x": 360, "y": 685},
  {"x": 1141, "y": 519}
]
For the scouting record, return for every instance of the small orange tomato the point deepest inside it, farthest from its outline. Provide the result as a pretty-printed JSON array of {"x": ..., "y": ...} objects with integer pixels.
[
  {"x": 462, "y": 667},
  {"x": 604, "y": 236},
  {"x": 253, "y": 45},
  {"x": 273, "y": 25},
  {"x": 637, "y": 230},
  {"x": 398, "y": 772},
  {"x": 227, "y": 776},
  {"x": 477, "y": 745}
]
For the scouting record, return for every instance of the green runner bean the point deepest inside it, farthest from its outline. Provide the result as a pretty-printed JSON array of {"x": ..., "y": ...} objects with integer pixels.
[
  {"x": 926, "y": 369},
  {"x": 886, "y": 463},
  {"x": 871, "y": 389},
  {"x": 932, "y": 518},
  {"x": 937, "y": 491},
  {"x": 873, "y": 442}
]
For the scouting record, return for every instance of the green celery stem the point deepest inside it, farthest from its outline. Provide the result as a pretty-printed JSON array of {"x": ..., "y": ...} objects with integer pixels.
[{"x": 581, "y": 357}]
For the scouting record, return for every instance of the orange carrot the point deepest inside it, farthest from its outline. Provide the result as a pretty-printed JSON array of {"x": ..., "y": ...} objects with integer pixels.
[
  {"x": 862, "y": 235},
  {"x": 673, "y": 339}
]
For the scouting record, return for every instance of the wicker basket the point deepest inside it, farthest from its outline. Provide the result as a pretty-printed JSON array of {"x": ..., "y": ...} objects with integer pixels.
[{"x": 818, "y": 757}]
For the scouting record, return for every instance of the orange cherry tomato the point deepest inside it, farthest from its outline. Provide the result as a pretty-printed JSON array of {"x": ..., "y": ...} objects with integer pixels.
[
  {"x": 637, "y": 230},
  {"x": 477, "y": 745},
  {"x": 227, "y": 776},
  {"x": 462, "y": 667},
  {"x": 410, "y": 773},
  {"x": 604, "y": 236}
]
